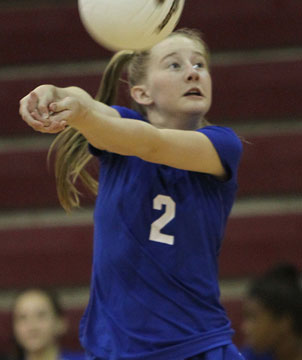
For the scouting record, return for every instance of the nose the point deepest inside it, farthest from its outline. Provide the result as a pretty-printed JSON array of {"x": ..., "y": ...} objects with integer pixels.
[{"x": 192, "y": 74}]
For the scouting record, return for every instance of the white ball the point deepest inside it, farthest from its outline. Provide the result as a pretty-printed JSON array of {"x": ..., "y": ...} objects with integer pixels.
[{"x": 129, "y": 24}]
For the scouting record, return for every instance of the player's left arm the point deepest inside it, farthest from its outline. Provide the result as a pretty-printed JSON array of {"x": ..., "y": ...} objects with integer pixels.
[{"x": 187, "y": 150}]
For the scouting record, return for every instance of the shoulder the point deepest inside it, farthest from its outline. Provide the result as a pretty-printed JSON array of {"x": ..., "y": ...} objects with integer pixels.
[
  {"x": 228, "y": 146},
  {"x": 222, "y": 134}
]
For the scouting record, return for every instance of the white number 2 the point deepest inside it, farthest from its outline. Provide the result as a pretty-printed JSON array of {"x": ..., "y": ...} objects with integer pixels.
[{"x": 168, "y": 215}]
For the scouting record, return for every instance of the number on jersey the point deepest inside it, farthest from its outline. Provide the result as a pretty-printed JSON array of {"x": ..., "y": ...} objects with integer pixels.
[{"x": 169, "y": 214}]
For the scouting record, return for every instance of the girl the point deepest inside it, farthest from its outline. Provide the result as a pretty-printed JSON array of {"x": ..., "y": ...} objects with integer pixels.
[
  {"x": 273, "y": 316},
  {"x": 166, "y": 187},
  {"x": 38, "y": 323}
]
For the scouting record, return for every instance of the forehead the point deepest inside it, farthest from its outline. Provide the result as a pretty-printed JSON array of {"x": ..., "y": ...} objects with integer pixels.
[
  {"x": 31, "y": 301},
  {"x": 178, "y": 44}
]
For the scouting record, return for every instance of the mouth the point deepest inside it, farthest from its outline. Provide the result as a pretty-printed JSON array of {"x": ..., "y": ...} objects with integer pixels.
[{"x": 194, "y": 92}]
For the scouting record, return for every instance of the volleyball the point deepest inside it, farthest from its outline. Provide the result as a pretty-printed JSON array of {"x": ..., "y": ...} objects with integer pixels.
[{"x": 129, "y": 24}]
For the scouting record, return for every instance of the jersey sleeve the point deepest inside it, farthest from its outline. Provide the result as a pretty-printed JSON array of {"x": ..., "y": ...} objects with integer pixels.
[
  {"x": 228, "y": 146},
  {"x": 124, "y": 113}
]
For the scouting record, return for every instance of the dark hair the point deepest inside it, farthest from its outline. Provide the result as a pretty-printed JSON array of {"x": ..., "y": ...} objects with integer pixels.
[
  {"x": 279, "y": 291},
  {"x": 51, "y": 295}
]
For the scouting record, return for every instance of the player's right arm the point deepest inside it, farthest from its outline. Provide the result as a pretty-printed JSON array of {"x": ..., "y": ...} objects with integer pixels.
[{"x": 35, "y": 107}]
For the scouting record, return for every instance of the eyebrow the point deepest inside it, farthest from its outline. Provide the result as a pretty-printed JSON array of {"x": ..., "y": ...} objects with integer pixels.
[{"x": 175, "y": 53}]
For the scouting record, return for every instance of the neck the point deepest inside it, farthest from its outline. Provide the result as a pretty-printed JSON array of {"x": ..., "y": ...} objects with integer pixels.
[
  {"x": 170, "y": 121},
  {"x": 51, "y": 353},
  {"x": 289, "y": 349}
]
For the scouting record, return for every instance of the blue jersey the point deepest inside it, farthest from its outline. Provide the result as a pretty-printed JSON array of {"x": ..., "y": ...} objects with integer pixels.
[
  {"x": 158, "y": 232},
  {"x": 71, "y": 355},
  {"x": 250, "y": 354}
]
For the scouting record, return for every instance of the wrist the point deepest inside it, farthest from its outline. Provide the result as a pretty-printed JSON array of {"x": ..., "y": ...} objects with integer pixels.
[{"x": 84, "y": 114}]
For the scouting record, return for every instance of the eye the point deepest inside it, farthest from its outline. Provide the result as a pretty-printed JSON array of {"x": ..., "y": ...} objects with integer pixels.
[
  {"x": 199, "y": 65},
  {"x": 174, "y": 65},
  {"x": 43, "y": 315}
]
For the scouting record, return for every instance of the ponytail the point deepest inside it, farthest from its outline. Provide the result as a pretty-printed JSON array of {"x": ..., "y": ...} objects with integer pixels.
[
  {"x": 107, "y": 92},
  {"x": 72, "y": 155}
]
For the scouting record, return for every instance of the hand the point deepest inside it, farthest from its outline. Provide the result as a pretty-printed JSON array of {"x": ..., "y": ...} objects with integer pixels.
[
  {"x": 49, "y": 109},
  {"x": 35, "y": 109},
  {"x": 73, "y": 109}
]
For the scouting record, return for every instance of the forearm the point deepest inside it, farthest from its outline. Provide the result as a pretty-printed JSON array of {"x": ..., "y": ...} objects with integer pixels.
[
  {"x": 95, "y": 107},
  {"x": 101, "y": 124},
  {"x": 119, "y": 135}
]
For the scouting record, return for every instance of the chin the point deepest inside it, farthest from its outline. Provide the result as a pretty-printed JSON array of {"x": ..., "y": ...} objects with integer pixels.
[
  {"x": 34, "y": 346},
  {"x": 196, "y": 109}
]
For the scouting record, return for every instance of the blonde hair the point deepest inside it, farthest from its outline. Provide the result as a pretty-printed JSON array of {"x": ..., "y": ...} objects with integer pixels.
[{"x": 72, "y": 155}]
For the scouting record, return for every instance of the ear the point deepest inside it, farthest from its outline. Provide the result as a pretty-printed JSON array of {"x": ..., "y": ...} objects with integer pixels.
[
  {"x": 61, "y": 326},
  {"x": 141, "y": 95}
]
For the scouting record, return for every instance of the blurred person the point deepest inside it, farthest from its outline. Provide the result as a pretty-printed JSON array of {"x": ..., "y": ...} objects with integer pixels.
[
  {"x": 38, "y": 324},
  {"x": 273, "y": 316}
]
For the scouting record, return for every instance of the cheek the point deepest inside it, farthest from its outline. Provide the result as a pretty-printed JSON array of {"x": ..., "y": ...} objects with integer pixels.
[
  {"x": 20, "y": 331},
  {"x": 163, "y": 84},
  {"x": 24, "y": 337},
  {"x": 48, "y": 328},
  {"x": 208, "y": 83}
]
